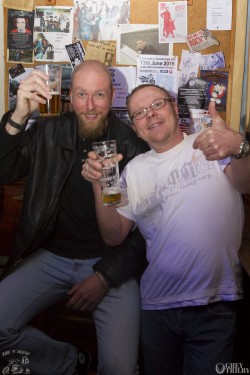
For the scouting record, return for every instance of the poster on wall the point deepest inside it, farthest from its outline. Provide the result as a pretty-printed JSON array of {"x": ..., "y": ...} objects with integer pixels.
[
  {"x": 172, "y": 18},
  {"x": 53, "y": 29},
  {"x": 20, "y": 36},
  {"x": 97, "y": 20}
]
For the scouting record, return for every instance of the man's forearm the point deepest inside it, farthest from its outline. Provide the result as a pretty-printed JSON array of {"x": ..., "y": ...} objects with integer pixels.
[
  {"x": 124, "y": 261},
  {"x": 109, "y": 220},
  {"x": 240, "y": 174}
]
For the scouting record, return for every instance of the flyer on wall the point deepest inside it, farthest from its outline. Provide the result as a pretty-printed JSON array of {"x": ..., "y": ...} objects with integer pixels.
[
  {"x": 53, "y": 29},
  {"x": 172, "y": 18},
  {"x": 102, "y": 51},
  {"x": 191, "y": 96},
  {"x": 124, "y": 78},
  {"x": 159, "y": 70}
]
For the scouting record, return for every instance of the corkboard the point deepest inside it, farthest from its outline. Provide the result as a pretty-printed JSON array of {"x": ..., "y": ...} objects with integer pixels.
[
  {"x": 146, "y": 12},
  {"x": 141, "y": 13}
]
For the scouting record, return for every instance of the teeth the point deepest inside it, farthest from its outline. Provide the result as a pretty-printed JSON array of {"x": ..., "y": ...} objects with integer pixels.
[{"x": 153, "y": 126}]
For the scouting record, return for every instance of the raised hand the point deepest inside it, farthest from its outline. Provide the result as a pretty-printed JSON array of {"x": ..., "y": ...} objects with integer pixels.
[
  {"x": 219, "y": 141},
  {"x": 32, "y": 91}
]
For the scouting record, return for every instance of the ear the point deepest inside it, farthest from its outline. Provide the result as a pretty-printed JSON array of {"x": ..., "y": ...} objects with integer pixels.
[
  {"x": 134, "y": 128},
  {"x": 70, "y": 94},
  {"x": 113, "y": 94},
  {"x": 175, "y": 106}
]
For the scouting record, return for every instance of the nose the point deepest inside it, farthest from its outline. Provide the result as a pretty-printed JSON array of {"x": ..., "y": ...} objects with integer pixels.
[
  {"x": 150, "y": 112},
  {"x": 90, "y": 103}
]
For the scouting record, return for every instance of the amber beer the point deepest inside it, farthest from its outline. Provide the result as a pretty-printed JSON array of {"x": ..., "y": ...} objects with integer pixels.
[
  {"x": 111, "y": 198},
  {"x": 111, "y": 191},
  {"x": 52, "y": 106}
]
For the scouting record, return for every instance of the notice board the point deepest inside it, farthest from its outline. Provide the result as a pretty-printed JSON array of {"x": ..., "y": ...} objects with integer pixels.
[{"x": 146, "y": 12}]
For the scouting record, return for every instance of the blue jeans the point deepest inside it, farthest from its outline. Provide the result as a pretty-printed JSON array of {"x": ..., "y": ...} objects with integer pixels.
[
  {"x": 189, "y": 340},
  {"x": 41, "y": 280}
]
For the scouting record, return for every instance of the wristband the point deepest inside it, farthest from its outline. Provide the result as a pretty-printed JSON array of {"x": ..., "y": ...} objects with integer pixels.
[
  {"x": 15, "y": 124},
  {"x": 102, "y": 281},
  {"x": 244, "y": 150}
]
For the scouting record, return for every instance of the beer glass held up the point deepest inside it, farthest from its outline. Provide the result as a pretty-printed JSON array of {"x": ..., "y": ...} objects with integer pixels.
[
  {"x": 52, "y": 107},
  {"x": 111, "y": 192}
]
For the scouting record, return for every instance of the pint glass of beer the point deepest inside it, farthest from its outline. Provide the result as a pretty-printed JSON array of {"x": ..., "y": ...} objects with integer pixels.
[
  {"x": 111, "y": 192},
  {"x": 52, "y": 107}
]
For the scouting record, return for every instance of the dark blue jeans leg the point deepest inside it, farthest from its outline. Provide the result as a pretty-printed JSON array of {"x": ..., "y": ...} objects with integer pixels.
[
  {"x": 210, "y": 337},
  {"x": 162, "y": 349},
  {"x": 189, "y": 340}
]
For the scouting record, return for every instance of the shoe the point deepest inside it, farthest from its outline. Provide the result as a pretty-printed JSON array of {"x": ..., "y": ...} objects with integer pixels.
[{"x": 83, "y": 362}]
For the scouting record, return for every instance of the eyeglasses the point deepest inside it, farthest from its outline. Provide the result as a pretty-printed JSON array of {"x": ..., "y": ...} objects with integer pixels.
[{"x": 158, "y": 104}]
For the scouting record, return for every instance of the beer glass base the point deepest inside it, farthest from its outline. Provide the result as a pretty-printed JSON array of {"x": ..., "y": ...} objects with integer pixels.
[
  {"x": 49, "y": 114},
  {"x": 113, "y": 204},
  {"x": 112, "y": 199}
]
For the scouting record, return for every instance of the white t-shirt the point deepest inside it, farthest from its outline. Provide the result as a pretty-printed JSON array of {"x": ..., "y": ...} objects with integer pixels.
[{"x": 192, "y": 220}]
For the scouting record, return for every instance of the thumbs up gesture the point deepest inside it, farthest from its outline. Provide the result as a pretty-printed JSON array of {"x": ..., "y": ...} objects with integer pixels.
[{"x": 219, "y": 141}]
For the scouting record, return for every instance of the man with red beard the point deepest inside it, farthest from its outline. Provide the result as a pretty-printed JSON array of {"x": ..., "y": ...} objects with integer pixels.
[{"x": 58, "y": 250}]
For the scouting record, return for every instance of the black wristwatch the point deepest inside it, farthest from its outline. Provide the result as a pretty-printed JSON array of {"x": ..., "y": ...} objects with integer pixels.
[{"x": 244, "y": 149}]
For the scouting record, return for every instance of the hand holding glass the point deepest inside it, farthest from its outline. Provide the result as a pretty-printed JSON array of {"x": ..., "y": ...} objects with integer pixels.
[
  {"x": 111, "y": 192},
  {"x": 52, "y": 107}
]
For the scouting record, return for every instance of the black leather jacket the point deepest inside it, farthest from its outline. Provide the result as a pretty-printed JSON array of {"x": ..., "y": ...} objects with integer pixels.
[{"x": 45, "y": 153}]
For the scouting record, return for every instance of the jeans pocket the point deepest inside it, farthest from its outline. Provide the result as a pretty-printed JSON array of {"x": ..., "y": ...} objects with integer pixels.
[{"x": 223, "y": 308}]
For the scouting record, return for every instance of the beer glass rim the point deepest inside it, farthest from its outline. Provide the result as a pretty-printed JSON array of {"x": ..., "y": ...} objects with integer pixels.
[{"x": 103, "y": 142}]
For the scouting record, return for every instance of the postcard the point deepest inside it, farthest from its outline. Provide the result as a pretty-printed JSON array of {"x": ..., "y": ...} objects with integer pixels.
[
  {"x": 201, "y": 120},
  {"x": 212, "y": 61},
  {"x": 201, "y": 39},
  {"x": 16, "y": 70},
  {"x": 189, "y": 66},
  {"x": 14, "y": 82},
  {"x": 216, "y": 88},
  {"x": 76, "y": 53}
]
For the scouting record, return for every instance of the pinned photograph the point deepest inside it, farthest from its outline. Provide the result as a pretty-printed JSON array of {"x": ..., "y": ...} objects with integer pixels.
[{"x": 138, "y": 39}]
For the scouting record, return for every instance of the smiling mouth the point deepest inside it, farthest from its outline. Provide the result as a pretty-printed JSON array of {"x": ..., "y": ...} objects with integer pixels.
[
  {"x": 91, "y": 117},
  {"x": 153, "y": 126}
]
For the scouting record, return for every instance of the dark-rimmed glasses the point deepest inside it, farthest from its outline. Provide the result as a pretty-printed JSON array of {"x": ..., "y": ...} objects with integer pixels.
[{"x": 157, "y": 104}]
